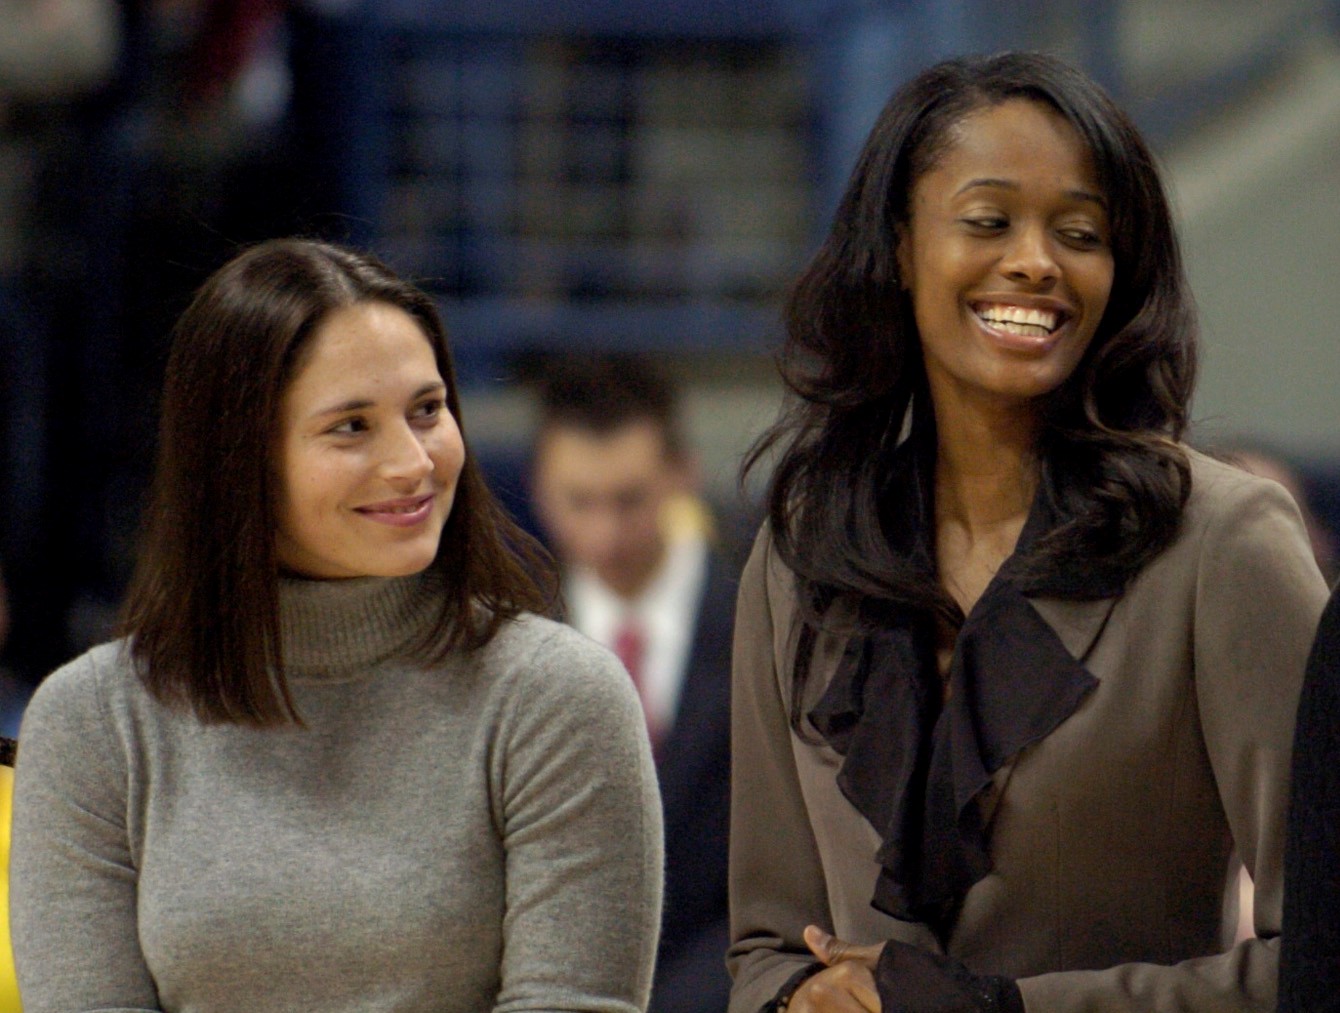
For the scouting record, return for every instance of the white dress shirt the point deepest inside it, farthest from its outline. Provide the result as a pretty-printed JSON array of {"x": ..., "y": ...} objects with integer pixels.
[{"x": 666, "y": 611}]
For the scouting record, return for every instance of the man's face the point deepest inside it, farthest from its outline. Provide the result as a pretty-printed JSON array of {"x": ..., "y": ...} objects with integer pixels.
[{"x": 600, "y": 498}]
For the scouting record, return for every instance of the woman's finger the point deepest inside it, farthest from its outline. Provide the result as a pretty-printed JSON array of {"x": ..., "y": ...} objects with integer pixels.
[{"x": 830, "y": 950}]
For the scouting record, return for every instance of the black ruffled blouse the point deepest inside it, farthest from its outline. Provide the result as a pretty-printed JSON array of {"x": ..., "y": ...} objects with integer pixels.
[{"x": 917, "y": 760}]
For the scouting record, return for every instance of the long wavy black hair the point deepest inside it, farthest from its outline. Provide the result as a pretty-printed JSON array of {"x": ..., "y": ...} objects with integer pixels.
[
  {"x": 203, "y": 606},
  {"x": 1109, "y": 452}
]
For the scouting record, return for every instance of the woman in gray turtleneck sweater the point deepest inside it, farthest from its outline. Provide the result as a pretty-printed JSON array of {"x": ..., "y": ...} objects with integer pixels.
[{"x": 338, "y": 763}]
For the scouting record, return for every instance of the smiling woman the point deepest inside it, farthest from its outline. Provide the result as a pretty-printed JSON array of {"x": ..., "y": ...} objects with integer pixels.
[
  {"x": 338, "y": 762},
  {"x": 1015, "y": 669}
]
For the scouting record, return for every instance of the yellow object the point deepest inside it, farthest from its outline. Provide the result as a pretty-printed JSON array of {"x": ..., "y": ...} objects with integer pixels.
[
  {"x": 686, "y": 516},
  {"x": 9, "y": 986}
]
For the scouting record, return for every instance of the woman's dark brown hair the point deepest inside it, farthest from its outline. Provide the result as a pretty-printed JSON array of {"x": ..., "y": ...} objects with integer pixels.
[
  {"x": 203, "y": 606},
  {"x": 853, "y": 359}
]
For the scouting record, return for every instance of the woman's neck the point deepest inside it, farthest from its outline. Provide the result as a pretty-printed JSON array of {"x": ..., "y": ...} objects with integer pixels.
[
  {"x": 986, "y": 466},
  {"x": 986, "y": 474}
]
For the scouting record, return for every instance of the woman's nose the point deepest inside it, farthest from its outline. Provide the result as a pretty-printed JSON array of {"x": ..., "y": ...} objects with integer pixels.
[
  {"x": 404, "y": 455},
  {"x": 1029, "y": 257}
]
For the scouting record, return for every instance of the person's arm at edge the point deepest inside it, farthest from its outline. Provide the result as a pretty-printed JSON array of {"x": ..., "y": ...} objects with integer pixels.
[
  {"x": 73, "y": 880},
  {"x": 776, "y": 880},
  {"x": 1309, "y": 970}
]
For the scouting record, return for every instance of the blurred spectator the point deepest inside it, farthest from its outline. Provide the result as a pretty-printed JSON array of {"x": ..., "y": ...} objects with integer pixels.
[
  {"x": 176, "y": 161},
  {"x": 53, "y": 55},
  {"x": 615, "y": 488},
  {"x": 56, "y": 48}
]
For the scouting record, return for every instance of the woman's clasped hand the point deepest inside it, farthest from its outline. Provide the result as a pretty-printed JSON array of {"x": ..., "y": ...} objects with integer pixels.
[{"x": 847, "y": 982}]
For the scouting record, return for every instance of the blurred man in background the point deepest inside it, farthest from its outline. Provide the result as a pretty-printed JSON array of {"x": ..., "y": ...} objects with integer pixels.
[{"x": 616, "y": 491}]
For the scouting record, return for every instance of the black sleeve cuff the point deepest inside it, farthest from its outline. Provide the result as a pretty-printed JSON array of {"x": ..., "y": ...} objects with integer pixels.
[
  {"x": 911, "y": 980},
  {"x": 777, "y": 1004}
]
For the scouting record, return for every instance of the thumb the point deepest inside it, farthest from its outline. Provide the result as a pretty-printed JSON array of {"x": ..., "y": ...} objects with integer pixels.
[
  {"x": 830, "y": 950},
  {"x": 821, "y": 945}
]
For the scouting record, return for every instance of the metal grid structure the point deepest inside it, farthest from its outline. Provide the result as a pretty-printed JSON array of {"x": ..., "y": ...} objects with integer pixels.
[
  {"x": 593, "y": 190},
  {"x": 651, "y": 176}
]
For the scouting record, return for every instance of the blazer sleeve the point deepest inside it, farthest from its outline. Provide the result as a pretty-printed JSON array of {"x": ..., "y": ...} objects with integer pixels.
[
  {"x": 776, "y": 880},
  {"x": 1257, "y": 598}
]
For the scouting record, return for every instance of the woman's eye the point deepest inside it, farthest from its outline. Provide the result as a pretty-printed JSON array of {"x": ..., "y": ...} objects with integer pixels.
[
  {"x": 986, "y": 223},
  {"x": 429, "y": 410},
  {"x": 348, "y": 427},
  {"x": 1082, "y": 237}
]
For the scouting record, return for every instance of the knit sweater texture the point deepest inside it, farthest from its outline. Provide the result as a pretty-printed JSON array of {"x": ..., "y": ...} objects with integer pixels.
[{"x": 483, "y": 833}]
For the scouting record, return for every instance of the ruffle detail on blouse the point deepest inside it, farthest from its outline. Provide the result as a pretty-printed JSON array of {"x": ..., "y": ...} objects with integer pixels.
[{"x": 917, "y": 764}]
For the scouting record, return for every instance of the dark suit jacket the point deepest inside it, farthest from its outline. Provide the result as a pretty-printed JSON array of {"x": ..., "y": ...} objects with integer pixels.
[
  {"x": 693, "y": 765},
  {"x": 1110, "y": 837},
  {"x": 1310, "y": 945}
]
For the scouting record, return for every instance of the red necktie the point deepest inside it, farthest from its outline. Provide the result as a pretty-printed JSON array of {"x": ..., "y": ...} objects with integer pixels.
[{"x": 630, "y": 644}]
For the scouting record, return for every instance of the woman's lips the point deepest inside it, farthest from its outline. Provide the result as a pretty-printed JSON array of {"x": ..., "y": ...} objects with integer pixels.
[{"x": 399, "y": 513}]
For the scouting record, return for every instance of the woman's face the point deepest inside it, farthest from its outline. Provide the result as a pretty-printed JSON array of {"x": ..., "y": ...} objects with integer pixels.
[
  {"x": 1007, "y": 257},
  {"x": 368, "y": 454}
]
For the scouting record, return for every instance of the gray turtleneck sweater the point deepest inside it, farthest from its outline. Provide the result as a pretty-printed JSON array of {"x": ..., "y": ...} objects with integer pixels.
[{"x": 481, "y": 834}]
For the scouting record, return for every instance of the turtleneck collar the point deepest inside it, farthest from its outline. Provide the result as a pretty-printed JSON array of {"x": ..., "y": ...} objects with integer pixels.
[{"x": 337, "y": 629}]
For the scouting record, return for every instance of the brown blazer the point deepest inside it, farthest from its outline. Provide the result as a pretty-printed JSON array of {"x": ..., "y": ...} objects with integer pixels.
[{"x": 1112, "y": 838}]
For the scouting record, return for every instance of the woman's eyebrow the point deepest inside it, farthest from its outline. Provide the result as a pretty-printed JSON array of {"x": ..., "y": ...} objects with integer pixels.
[
  {"x": 989, "y": 182},
  {"x": 353, "y": 405},
  {"x": 360, "y": 404}
]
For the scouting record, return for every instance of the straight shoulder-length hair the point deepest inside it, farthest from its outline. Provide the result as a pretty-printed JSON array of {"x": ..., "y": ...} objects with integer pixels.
[{"x": 202, "y": 611}]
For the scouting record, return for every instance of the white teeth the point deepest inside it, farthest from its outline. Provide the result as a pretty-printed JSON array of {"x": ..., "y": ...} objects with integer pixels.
[
  {"x": 1019, "y": 319},
  {"x": 1027, "y": 330}
]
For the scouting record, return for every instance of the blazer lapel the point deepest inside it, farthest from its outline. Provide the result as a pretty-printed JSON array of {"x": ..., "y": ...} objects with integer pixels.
[{"x": 1077, "y": 623}]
